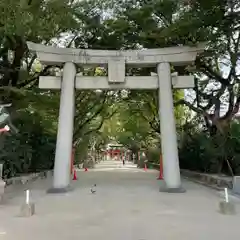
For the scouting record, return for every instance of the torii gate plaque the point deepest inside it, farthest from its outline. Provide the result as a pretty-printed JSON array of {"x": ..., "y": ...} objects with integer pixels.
[{"x": 116, "y": 62}]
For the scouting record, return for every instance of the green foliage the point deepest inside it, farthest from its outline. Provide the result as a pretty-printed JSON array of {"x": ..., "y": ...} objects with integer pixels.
[
  {"x": 31, "y": 150},
  {"x": 153, "y": 155},
  {"x": 200, "y": 152},
  {"x": 39, "y": 20},
  {"x": 197, "y": 152}
]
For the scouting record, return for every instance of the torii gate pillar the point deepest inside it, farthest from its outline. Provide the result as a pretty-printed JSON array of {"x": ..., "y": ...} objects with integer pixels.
[
  {"x": 168, "y": 131},
  {"x": 61, "y": 176}
]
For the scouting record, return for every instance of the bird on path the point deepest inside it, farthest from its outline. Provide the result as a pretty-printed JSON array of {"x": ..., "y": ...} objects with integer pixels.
[{"x": 93, "y": 188}]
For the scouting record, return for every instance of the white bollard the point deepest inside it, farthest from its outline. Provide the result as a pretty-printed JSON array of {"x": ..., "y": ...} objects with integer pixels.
[
  {"x": 28, "y": 208},
  {"x": 27, "y": 196},
  {"x": 226, "y": 207},
  {"x": 2, "y": 189},
  {"x": 226, "y": 195}
]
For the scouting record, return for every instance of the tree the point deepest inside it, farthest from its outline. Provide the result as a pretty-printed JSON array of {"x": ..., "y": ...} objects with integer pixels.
[
  {"x": 38, "y": 21},
  {"x": 217, "y": 95}
]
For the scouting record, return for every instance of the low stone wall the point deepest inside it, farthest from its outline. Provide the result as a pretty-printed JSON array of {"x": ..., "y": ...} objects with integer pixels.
[
  {"x": 28, "y": 178},
  {"x": 211, "y": 180},
  {"x": 215, "y": 181},
  {"x": 32, "y": 177}
]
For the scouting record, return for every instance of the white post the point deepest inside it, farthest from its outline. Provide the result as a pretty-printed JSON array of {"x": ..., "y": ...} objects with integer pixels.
[
  {"x": 27, "y": 197},
  {"x": 226, "y": 195},
  {"x": 61, "y": 178},
  {"x": 171, "y": 169}
]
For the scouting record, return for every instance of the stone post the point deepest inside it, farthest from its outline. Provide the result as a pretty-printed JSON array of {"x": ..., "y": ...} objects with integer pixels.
[
  {"x": 61, "y": 177},
  {"x": 2, "y": 183},
  {"x": 171, "y": 169}
]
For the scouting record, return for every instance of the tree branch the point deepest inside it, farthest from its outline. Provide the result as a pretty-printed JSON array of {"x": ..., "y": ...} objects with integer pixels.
[
  {"x": 35, "y": 78},
  {"x": 89, "y": 120},
  {"x": 184, "y": 102},
  {"x": 79, "y": 115},
  {"x": 210, "y": 73}
]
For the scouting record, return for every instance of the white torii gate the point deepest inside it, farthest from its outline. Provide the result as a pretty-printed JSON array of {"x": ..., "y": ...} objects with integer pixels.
[{"x": 116, "y": 61}]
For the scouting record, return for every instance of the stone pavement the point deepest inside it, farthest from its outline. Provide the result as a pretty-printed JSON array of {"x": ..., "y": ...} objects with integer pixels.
[{"x": 126, "y": 206}]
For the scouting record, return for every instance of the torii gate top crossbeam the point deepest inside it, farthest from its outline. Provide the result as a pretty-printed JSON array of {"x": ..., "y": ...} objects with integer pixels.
[{"x": 175, "y": 55}]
